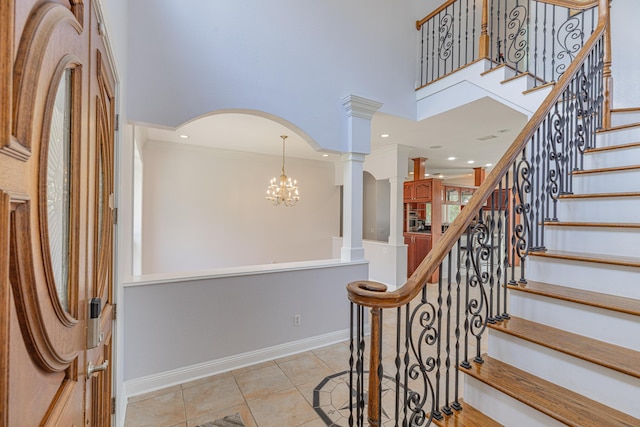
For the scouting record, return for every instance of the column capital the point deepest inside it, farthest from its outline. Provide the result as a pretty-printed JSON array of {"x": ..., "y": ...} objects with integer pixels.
[
  {"x": 357, "y": 106},
  {"x": 352, "y": 157}
]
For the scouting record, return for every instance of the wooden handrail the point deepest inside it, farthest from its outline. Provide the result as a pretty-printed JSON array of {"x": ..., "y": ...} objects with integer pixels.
[
  {"x": 571, "y": 4},
  {"x": 434, "y": 13},
  {"x": 368, "y": 294}
]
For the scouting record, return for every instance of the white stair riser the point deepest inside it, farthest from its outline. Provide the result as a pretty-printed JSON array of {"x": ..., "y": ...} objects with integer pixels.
[
  {"x": 606, "y": 279},
  {"x": 625, "y": 118},
  {"x": 597, "y": 323},
  {"x": 600, "y": 209},
  {"x": 595, "y": 240},
  {"x": 615, "y": 389},
  {"x": 620, "y": 181},
  {"x": 502, "y": 408},
  {"x": 623, "y": 136},
  {"x": 612, "y": 158}
]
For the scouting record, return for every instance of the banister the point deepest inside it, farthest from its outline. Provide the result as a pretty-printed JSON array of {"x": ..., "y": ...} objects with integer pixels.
[
  {"x": 434, "y": 13},
  {"x": 572, "y": 4},
  {"x": 370, "y": 294}
]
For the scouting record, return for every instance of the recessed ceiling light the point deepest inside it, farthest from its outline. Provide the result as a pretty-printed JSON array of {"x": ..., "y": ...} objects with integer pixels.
[
  {"x": 489, "y": 164},
  {"x": 426, "y": 174},
  {"x": 184, "y": 136},
  {"x": 384, "y": 135},
  {"x": 410, "y": 173},
  {"x": 436, "y": 147},
  {"x": 451, "y": 158},
  {"x": 503, "y": 130},
  {"x": 325, "y": 155},
  {"x": 484, "y": 138},
  {"x": 440, "y": 176},
  {"x": 471, "y": 162}
]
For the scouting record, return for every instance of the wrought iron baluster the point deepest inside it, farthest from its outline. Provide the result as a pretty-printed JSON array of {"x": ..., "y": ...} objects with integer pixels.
[
  {"x": 423, "y": 74},
  {"x": 456, "y": 402},
  {"x": 553, "y": 45},
  {"x": 433, "y": 51},
  {"x": 438, "y": 414},
  {"x": 351, "y": 361},
  {"x": 508, "y": 208},
  {"x": 512, "y": 230},
  {"x": 544, "y": 46},
  {"x": 535, "y": 49},
  {"x": 398, "y": 364},
  {"x": 446, "y": 409}
]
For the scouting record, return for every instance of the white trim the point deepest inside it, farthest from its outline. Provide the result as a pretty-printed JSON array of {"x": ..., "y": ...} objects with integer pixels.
[
  {"x": 166, "y": 379},
  {"x": 154, "y": 279}
]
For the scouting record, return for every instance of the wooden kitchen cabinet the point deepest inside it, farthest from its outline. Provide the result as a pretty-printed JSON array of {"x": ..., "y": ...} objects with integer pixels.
[
  {"x": 419, "y": 246},
  {"x": 418, "y": 191}
]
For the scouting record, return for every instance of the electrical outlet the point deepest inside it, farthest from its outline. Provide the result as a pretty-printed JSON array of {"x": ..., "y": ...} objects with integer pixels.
[{"x": 296, "y": 320}]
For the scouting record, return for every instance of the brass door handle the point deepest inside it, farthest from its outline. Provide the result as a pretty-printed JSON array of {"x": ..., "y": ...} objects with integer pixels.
[{"x": 93, "y": 369}]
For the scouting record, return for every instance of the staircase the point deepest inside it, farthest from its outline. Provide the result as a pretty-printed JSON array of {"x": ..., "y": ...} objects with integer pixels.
[
  {"x": 535, "y": 319},
  {"x": 570, "y": 353}
]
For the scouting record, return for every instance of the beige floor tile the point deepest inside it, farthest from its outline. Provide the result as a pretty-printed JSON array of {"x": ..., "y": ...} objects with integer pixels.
[
  {"x": 164, "y": 410},
  {"x": 205, "y": 380},
  {"x": 243, "y": 410},
  {"x": 260, "y": 382},
  {"x": 306, "y": 369},
  {"x": 285, "y": 408},
  {"x": 212, "y": 397},
  {"x": 314, "y": 423},
  {"x": 253, "y": 367},
  {"x": 145, "y": 396},
  {"x": 291, "y": 357},
  {"x": 335, "y": 356}
]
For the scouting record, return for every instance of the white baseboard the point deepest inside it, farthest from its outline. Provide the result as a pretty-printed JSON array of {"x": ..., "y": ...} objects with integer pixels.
[{"x": 162, "y": 380}]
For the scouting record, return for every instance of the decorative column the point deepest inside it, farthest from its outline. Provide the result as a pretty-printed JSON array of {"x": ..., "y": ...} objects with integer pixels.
[{"x": 359, "y": 113}]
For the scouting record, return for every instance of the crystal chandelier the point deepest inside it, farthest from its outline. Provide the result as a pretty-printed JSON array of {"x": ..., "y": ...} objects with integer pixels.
[{"x": 285, "y": 190}]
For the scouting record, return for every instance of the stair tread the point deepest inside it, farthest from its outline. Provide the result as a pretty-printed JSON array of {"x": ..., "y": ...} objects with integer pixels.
[
  {"x": 607, "y": 170},
  {"x": 467, "y": 417},
  {"x": 580, "y": 296},
  {"x": 613, "y": 147},
  {"x": 610, "y": 356},
  {"x": 620, "y": 127},
  {"x": 592, "y": 224},
  {"x": 557, "y": 402},
  {"x": 624, "y": 261},
  {"x": 600, "y": 195}
]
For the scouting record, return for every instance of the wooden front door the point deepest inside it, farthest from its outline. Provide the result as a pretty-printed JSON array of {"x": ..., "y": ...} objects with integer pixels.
[{"x": 56, "y": 215}]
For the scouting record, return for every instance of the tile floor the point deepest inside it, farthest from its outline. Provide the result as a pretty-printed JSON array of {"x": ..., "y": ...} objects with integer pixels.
[{"x": 277, "y": 393}]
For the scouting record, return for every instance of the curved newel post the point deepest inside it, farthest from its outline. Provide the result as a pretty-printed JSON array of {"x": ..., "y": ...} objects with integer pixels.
[
  {"x": 374, "y": 399},
  {"x": 375, "y": 377}
]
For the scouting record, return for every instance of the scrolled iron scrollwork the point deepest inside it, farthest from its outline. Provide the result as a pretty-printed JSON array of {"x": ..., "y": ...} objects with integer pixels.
[
  {"x": 446, "y": 37},
  {"x": 424, "y": 316},
  {"x": 570, "y": 39},
  {"x": 517, "y": 48},
  {"x": 522, "y": 185}
]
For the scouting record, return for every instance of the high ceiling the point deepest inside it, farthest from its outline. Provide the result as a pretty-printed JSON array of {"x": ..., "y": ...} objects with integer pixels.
[{"x": 480, "y": 131}]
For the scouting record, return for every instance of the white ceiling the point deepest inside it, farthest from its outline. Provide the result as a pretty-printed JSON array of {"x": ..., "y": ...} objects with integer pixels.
[{"x": 457, "y": 132}]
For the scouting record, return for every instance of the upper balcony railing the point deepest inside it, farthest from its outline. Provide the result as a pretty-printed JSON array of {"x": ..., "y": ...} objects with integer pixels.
[{"x": 538, "y": 37}]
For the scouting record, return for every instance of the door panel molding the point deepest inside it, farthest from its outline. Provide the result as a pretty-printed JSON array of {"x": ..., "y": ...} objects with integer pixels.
[
  {"x": 7, "y": 144},
  {"x": 67, "y": 62},
  {"x": 5, "y": 214},
  {"x": 33, "y": 47},
  {"x": 40, "y": 336}
]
